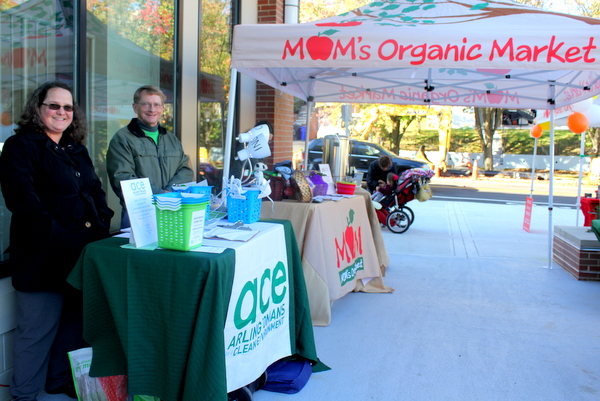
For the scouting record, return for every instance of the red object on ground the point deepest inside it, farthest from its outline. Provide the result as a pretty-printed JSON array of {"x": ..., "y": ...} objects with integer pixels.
[
  {"x": 588, "y": 207},
  {"x": 527, "y": 216}
]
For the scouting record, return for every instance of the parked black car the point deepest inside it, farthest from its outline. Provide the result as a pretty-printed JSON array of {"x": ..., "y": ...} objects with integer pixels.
[{"x": 361, "y": 154}]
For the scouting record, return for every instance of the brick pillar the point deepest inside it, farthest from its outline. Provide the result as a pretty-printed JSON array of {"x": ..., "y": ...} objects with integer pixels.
[{"x": 271, "y": 105}]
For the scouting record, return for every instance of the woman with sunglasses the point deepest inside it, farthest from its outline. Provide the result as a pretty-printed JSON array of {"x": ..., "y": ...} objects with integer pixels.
[{"x": 58, "y": 206}]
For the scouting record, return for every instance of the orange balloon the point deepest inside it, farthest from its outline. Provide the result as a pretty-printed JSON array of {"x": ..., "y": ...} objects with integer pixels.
[
  {"x": 577, "y": 122},
  {"x": 536, "y": 131}
]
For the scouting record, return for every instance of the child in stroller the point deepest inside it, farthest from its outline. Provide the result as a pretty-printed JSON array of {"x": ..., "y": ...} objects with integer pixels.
[
  {"x": 381, "y": 192},
  {"x": 393, "y": 211}
]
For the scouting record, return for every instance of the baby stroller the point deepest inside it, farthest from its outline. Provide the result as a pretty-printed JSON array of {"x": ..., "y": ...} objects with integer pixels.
[{"x": 393, "y": 212}]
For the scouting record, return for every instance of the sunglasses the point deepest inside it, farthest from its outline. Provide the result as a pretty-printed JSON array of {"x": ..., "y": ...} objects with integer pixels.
[{"x": 54, "y": 106}]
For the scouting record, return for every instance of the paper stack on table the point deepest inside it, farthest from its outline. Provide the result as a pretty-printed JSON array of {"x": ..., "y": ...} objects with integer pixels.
[{"x": 230, "y": 234}]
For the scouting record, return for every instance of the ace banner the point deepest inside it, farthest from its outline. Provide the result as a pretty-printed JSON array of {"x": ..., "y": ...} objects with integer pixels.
[{"x": 258, "y": 314}]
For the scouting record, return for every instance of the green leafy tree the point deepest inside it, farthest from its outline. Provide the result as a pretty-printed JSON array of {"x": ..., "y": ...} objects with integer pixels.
[
  {"x": 487, "y": 121},
  {"x": 215, "y": 37},
  {"x": 590, "y": 8},
  {"x": 6, "y": 4},
  {"x": 398, "y": 119},
  {"x": 147, "y": 23},
  {"x": 215, "y": 42},
  {"x": 387, "y": 123},
  {"x": 445, "y": 134},
  {"x": 399, "y": 126},
  {"x": 314, "y": 10}
]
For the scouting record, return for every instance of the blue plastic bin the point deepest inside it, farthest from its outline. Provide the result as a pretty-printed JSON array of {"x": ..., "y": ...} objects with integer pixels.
[{"x": 247, "y": 210}]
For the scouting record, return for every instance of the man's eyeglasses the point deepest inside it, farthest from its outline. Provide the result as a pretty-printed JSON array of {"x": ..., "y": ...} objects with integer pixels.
[
  {"x": 54, "y": 106},
  {"x": 146, "y": 105}
]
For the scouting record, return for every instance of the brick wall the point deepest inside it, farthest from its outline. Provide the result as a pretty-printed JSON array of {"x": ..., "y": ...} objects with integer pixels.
[
  {"x": 270, "y": 11},
  {"x": 271, "y": 105},
  {"x": 583, "y": 264}
]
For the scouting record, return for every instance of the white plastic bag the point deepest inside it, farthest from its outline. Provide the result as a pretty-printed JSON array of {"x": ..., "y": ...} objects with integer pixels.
[{"x": 109, "y": 388}]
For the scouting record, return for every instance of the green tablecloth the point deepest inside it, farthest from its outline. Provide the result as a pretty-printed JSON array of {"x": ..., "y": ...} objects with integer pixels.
[
  {"x": 596, "y": 228},
  {"x": 158, "y": 316}
]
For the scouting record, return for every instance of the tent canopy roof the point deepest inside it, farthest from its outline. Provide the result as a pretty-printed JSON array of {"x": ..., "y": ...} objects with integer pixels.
[{"x": 438, "y": 52}]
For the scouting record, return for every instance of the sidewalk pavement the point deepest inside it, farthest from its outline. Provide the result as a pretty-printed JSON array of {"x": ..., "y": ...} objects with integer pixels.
[{"x": 477, "y": 314}]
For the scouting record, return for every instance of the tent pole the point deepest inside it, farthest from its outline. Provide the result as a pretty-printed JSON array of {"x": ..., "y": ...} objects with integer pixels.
[
  {"x": 229, "y": 132},
  {"x": 551, "y": 190},
  {"x": 581, "y": 156},
  {"x": 533, "y": 167},
  {"x": 309, "y": 117}
]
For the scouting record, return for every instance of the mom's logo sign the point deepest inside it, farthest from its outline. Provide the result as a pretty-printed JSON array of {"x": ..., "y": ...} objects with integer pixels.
[
  {"x": 552, "y": 50},
  {"x": 349, "y": 250}
]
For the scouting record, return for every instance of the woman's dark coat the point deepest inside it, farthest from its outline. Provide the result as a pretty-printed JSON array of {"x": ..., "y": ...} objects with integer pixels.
[{"x": 57, "y": 204}]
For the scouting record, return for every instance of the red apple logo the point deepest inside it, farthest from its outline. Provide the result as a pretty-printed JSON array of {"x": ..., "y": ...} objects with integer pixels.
[
  {"x": 351, "y": 242},
  {"x": 495, "y": 98},
  {"x": 319, "y": 47}
]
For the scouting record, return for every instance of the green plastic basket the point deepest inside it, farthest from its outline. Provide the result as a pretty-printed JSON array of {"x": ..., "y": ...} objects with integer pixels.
[{"x": 181, "y": 230}]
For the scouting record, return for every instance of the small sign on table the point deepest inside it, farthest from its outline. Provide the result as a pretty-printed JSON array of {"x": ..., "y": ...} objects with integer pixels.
[
  {"x": 327, "y": 178},
  {"x": 142, "y": 213}
]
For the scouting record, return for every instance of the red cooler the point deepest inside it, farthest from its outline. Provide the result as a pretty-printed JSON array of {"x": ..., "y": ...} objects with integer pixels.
[{"x": 588, "y": 207}]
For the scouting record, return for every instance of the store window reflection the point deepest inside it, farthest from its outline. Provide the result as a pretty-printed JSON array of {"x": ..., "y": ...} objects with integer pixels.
[
  {"x": 129, "y": 44},
  {"x": 214, "y": 86},
  {"x": 36, "y": 45}
]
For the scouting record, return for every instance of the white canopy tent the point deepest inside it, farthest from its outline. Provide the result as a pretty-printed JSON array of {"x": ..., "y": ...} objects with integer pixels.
[{"x": 428, "y": 52}]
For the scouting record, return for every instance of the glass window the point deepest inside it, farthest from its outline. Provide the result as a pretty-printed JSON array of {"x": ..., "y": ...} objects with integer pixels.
[
  {"x": 358, "y": 148},
  {"x": 130, "y": 43},
  {"x": 215, "y": 56},
  {"x": 372, "y": 151},
  {"x": 37, "y": 45}
]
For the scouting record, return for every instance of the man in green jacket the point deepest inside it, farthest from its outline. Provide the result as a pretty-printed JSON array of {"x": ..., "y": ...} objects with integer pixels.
[{"x": 145, "y": 149}]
